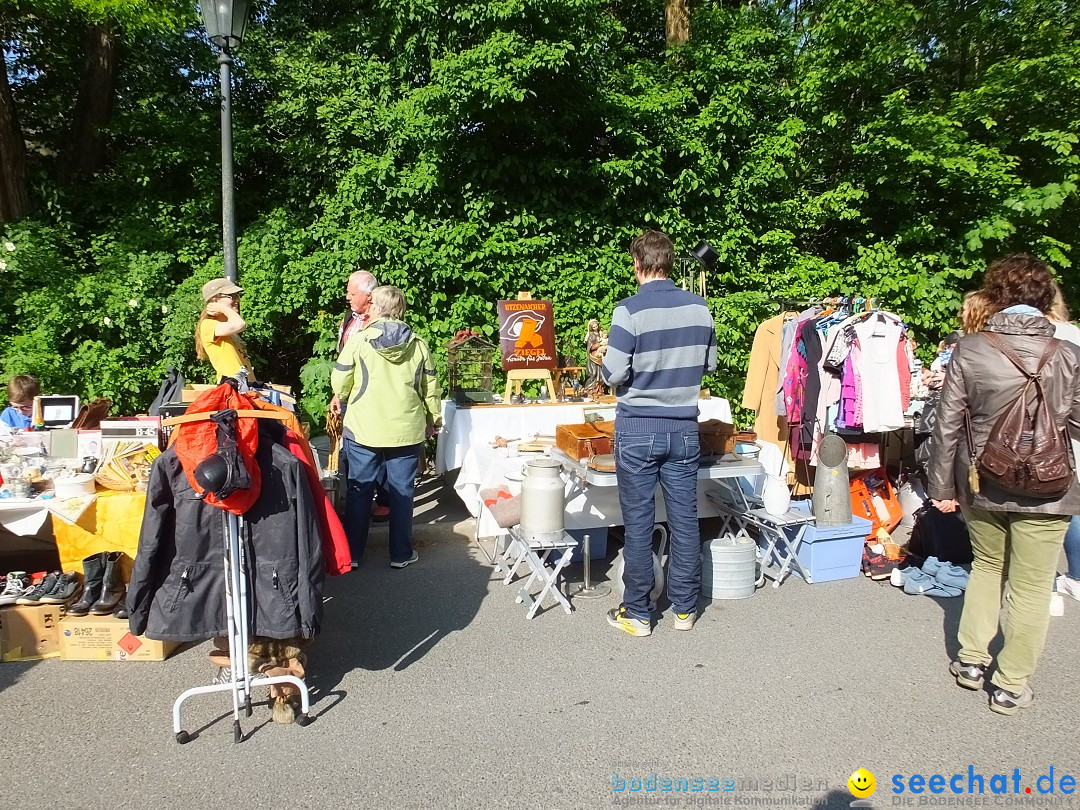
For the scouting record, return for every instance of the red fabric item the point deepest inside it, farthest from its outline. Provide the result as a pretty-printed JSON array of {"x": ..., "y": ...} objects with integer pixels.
[
  {"x": 337, "y": 556},
  {"x": 197, "y": 440}
]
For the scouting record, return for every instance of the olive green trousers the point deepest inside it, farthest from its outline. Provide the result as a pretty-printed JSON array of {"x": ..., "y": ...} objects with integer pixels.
[{"x": 1020, "y": 550}]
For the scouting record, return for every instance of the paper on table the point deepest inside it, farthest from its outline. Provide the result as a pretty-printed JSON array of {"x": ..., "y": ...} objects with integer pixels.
[{"x": 70, "y": 510}]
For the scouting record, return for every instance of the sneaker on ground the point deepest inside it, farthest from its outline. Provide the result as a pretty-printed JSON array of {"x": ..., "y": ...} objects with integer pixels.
[
  {"x": 879, "y": 567},
  {"x": 16, "y": 585},
  {"x": 64, "y": 590},
  {"x": 684, "y": 621},
  {"x": 1004, "y": 702},
  {"x": 33, "y": 595},
  {"x": 969, "y": 676},
  {"x": 618, "y": 617},
  {"x": 898, "y": 576},
  {"x": 1069, "y": 586},
  {"x": 404, "y": 563}
]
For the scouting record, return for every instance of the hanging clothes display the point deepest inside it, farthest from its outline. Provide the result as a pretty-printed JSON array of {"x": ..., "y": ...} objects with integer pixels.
[
  {"x": 835, "y": 371},
  {"x": 177, "y": 589}
]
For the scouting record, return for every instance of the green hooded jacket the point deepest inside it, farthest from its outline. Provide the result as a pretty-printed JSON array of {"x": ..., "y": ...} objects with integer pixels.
[{"x": 386, "y": 379}]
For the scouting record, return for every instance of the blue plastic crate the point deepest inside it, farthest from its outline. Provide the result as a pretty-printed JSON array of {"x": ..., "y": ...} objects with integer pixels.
[
  {"x": 833, "y": 552},
  {"x": 597, "y": 544}
]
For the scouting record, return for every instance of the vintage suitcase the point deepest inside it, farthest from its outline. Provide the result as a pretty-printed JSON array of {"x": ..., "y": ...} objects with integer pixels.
[{"x": 582, "y": 441}]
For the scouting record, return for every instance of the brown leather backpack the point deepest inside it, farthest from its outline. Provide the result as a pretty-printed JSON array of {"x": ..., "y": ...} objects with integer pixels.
[{"x": 1026, "y": 452}]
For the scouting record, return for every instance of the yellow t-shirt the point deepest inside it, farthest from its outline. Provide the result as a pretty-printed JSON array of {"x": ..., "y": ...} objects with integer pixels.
[{"x": 224, "y": 353}]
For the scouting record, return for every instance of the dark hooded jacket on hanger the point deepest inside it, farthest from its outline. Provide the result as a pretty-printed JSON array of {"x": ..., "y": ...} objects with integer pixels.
[{"x": 177, "y": 589}]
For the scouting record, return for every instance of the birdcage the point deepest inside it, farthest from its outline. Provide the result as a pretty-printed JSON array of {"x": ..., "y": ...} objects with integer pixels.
[{"x": 469, "y": 360}]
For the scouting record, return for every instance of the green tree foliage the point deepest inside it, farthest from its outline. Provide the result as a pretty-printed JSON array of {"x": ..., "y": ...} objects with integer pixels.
[{"x": 467, "y": 151}]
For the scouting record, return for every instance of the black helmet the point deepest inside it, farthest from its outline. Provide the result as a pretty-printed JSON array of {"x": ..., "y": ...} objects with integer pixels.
[{"x": 214, "y": 474}]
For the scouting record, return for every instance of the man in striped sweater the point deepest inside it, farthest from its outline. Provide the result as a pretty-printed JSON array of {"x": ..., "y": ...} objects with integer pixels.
[{"x": 662, "y": 342}]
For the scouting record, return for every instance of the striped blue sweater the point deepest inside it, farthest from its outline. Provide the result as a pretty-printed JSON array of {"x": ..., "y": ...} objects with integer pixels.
[{"x": 662, "y": 342}]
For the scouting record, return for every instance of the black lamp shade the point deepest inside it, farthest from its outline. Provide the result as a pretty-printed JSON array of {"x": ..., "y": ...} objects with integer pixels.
[
  {"x": 225, "y": 21},
  {"x": 706, "y": 254}
]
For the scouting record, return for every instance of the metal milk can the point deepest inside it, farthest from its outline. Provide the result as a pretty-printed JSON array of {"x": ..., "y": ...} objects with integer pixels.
[{"x": 542, "y": 503}]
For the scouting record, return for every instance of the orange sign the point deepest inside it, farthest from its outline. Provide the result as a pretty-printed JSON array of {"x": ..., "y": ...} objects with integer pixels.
[{"x": 527, "y": 335}]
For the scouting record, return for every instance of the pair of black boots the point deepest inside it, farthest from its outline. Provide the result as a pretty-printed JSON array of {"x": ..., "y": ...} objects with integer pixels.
[{"x": 103, "y": 587}]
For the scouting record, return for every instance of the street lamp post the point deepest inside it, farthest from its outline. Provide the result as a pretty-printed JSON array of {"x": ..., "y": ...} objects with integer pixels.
[{"x": 225, "y": 22}]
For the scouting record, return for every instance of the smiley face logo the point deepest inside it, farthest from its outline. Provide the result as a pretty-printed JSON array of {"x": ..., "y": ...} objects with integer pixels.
[{"x": 862, "y": 783}]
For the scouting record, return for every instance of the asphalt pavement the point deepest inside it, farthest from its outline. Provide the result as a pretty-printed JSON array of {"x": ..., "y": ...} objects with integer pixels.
[{"x": 432, "y": 690}]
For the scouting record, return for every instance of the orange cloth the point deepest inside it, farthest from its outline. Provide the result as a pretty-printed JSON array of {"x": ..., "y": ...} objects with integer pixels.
[
  {"x": 112, "y": 523},
  {"x": 195, "y": 441}
]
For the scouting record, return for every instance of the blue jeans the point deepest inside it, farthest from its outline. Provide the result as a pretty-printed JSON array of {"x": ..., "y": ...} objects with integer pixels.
[
  {"x": 397, "y": 466},
  {"x": 1072, "y": 547},
  {"x": 671, "y": 458}
]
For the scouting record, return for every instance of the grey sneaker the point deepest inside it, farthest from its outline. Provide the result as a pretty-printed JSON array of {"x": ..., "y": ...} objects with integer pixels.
[
  {"x": 17, "y": 583},
  {"x": 618, "y": 617},
  {"x": 67, "y": 587},
  {"x": 407, "y": 562},
  {"x": 1004, "y": 702},
  {"x": 32, "y": 596},
  {"x": 969, "y": 676}
]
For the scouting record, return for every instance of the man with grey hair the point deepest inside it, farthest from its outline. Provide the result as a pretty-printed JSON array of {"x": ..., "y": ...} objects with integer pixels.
[{"x": 358, "y": 295}]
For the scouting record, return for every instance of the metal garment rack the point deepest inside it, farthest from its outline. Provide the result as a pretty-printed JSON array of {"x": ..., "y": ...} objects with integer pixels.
[{"x": 238, "y": 619}]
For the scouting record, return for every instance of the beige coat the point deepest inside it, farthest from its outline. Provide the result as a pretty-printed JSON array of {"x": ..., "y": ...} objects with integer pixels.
[{"x": 763, "y": 380}]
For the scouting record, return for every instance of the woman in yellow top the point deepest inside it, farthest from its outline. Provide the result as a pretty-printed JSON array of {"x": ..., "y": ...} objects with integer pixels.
[{"x": 217, "y": 335}]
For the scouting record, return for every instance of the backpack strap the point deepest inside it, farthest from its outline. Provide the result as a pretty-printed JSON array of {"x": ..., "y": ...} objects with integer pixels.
[{"x": 1003, "y": 346}]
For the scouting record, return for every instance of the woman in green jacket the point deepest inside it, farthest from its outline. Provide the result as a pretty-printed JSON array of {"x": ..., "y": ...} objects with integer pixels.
[{"x": 386, "y": 375}]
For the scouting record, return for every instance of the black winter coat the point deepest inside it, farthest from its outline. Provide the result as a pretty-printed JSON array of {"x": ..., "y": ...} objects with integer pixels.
[{"x": 177, "y": 589}]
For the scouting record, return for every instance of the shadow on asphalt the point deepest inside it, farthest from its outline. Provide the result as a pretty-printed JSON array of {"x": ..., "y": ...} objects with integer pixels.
[{"x": 379, "y": 618}]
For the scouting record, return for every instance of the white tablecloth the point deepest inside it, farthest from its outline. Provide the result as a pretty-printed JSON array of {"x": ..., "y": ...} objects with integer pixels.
[
  {"x": 465, "y": 443},
  {"x": 464, "y": 428},
  {"x": 24, "y": 518}
]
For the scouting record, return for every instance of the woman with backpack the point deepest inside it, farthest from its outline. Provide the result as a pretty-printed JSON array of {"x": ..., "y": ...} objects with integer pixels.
[{"x": 1001, "y": 446}]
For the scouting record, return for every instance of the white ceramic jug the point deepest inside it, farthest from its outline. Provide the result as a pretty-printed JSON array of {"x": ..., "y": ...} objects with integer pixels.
[
  {"x": 542, "y": 503},
  {"x": 776, "y": 495}
]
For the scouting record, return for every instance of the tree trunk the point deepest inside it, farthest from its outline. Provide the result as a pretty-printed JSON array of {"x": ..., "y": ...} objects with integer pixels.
[
  {"x": 677, "y": 21},
  {"x": 85, "y": 151},
  {"x": 14, "y": 193}
]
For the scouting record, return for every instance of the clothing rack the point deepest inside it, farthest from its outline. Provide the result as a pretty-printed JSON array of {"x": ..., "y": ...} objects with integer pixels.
[
  {"x": 238, "y": 616},
  {"x": 851, "y": 304}
]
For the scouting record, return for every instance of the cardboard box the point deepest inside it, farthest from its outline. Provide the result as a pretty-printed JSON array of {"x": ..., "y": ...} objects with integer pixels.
[
  {"x": 103, "y": 638},
  {"x": 29, "y": 632}
]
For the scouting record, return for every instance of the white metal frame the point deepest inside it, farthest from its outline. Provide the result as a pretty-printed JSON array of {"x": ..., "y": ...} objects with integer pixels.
[{"x": 238, "y": 617}]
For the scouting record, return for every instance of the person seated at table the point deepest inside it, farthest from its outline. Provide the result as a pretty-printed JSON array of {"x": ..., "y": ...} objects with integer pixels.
[
  {"x": 217, "y": 334},
  {"x": 386, "y": 376},
  {"x": 21, "y": 390}
]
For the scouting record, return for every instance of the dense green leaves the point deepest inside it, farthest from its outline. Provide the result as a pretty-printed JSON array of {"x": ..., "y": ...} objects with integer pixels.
[{"x": 465, "y": 152}]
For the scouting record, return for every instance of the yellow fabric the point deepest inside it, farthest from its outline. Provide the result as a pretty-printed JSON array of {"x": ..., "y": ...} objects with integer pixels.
[
  {"x": 224, "y": 353},
  {"x": 112, "y": 523}
]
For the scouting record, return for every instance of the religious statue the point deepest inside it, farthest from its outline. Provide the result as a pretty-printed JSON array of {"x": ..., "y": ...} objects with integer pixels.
[{"x": 595, "y": 348}]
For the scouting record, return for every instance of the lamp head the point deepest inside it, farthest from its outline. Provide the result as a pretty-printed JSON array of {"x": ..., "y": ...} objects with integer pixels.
[{"x": 225, "y": 21}]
